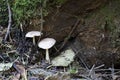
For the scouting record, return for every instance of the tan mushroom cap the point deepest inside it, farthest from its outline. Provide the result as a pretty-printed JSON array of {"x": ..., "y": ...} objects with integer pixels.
[
  {"x": 46, "y": 43},
  {"x": 33, "y": 33}
]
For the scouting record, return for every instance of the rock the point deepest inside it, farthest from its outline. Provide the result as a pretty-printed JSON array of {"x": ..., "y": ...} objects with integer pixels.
[{"x": 64, "y": 59}]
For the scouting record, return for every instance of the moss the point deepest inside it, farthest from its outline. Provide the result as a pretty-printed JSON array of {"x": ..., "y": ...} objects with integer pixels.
[
  {"x": 111, "y": 13},
  {"x": 107, "y": 18}
]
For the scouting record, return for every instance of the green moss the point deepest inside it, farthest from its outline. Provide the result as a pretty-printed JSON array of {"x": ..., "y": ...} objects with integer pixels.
[
  {"x": 60, "y": 1},
  {"x": 108, "y": 18},
  {"x": 111, "y": 15},
  {"x": 3, "y": 13}
]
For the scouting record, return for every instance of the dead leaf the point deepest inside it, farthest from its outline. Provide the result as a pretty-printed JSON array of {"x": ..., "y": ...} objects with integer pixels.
[
  {"x": 5, "y": 66},
  {"x": 21, "y": 70},
  {"x": 41, "y": 72},
  {"x": 16, "y": 77}
]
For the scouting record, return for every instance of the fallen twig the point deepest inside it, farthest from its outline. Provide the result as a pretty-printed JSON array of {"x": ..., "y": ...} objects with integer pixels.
[
  {"x": 69, "y": 35},
  {"x": 91, "y": 70},
  {"x": 20, "y": 69},
  {"x": 9, "y": 22},
  {"x": 99, "y": 66}
]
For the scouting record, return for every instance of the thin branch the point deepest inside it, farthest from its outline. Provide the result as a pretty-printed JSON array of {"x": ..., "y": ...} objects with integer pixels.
[
  {"x": 99, "y": 66},
  {"x": 69, "y": 35},
  {"x": 91, "y": 70},
  {"x": 41, "y": 11},
  {"x": 83, "y": 62},
  {"x": 9, "y": 22}
]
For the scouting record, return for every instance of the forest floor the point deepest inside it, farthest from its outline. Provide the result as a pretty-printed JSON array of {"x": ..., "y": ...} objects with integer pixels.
[{"x": 90, "y": 30}]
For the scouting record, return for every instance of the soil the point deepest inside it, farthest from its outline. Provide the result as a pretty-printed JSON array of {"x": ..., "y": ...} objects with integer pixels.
[{"x": 92, "y": 42}]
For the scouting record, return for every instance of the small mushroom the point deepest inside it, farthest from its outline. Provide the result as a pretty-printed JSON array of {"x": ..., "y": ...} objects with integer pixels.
[
  {"x": 47, "y": 43},
  {"x": 32, "y": 34}
]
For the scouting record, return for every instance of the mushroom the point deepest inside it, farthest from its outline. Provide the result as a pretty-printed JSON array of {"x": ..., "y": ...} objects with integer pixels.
[
  {"x": 32, "y": 34},
  {"x": 47, "y": 43}
]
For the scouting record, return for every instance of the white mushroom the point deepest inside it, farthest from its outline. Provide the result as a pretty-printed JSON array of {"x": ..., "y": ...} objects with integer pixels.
[
  {"x": 47, "y": 43},
  {"x": 32, "y": 34}
]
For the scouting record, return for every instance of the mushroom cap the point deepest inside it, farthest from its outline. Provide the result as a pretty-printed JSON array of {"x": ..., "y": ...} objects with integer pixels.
[
  {"x": 33, "y": 33},
  {"x": 46, "y": 43}
]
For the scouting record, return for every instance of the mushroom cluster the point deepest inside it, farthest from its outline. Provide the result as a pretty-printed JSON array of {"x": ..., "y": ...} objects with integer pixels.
[{"x": 46, "y": 43}]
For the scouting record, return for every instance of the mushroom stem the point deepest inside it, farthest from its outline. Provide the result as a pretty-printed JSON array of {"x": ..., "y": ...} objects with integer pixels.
[
  {"x": 47, "y": 56},
  {"x": 34, "y": 40}
]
